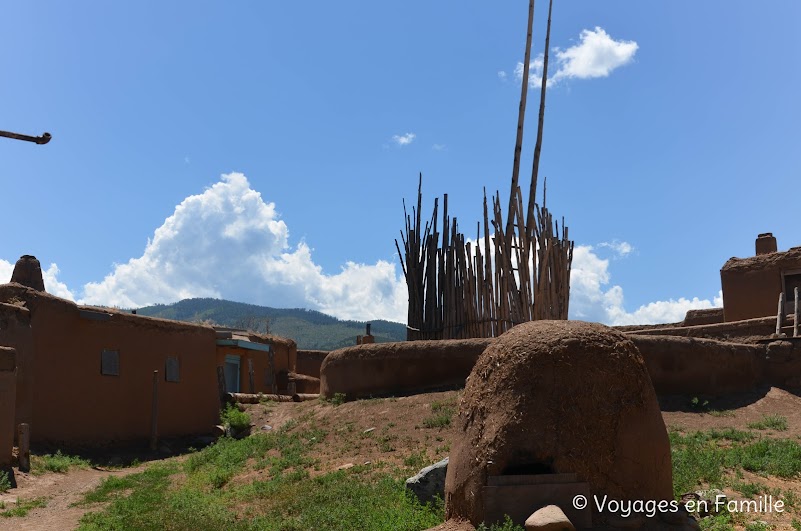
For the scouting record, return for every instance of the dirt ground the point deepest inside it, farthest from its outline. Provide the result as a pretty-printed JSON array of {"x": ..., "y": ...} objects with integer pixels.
[{"x": 404, "y": 430}]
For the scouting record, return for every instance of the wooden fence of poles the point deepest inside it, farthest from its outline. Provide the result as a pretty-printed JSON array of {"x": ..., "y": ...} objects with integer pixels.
[
  {"x": 517, "y": 272},
  {"x": 460, "y": 289}
]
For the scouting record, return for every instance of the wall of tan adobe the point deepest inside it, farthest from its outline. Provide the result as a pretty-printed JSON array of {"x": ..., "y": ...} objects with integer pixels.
[
  {"x": 310, "y": 361},
  {"x": 676, "y": 365},
  {"x": 73, "y": 402},
  {"x": 15, "y": 332},
  {"x": 399, "y": 368},
  {"x": 750, "y": 293},
  {"x": 704, "y": 316},
  {"x": 683, "y": 365},
  {"x": 751, "y": 286},
  {"x": 8, "y": 398},
  {"x": 746, "y": 331}
]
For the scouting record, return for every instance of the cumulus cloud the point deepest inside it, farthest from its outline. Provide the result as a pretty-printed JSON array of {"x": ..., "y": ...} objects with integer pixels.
[
  {"x": 597, "y": 54},
  {"x": 592, "y": 298},
  {"x": 227, "y": 242},
  {"x": 404, "y": 140}
]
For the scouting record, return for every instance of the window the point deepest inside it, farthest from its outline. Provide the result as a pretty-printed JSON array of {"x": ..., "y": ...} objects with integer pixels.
[
  {"x": 110, "y": 362},
  {"x": 172, "y": 370},
  {"x": 792, "y": 280}
]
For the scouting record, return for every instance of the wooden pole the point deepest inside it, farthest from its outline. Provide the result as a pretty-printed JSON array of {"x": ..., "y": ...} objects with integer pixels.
[
  {"x": 154, "y": 414},
  {"x": 221, "y": 385},
  {"x": 521, "y": 115},
  {"x": 24, "y": 446},
  {"x": 532, "y": 194},
  {"x": 251, "y": 376},
  {"x": 795, "y": 314},
  {"x": 779, "y": 315}
]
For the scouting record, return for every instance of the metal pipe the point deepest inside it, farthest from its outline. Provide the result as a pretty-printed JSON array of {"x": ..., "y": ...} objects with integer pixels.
[{"x": 44, "y": 139}]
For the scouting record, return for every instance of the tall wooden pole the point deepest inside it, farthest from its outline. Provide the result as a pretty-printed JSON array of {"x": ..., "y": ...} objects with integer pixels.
[
  {"x": 535, "y": 168},
  {"x": 521, "y": 114}
]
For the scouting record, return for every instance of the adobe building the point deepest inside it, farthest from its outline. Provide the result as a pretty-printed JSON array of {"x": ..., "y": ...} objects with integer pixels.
[
  {"x": 85, "y": 375},
  {"x": 751, "y": 286},
  {"x": 255, "y": 363}
]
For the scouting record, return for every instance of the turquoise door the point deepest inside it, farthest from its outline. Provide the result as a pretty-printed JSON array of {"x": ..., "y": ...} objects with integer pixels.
[{"x": 232, "y": 373}]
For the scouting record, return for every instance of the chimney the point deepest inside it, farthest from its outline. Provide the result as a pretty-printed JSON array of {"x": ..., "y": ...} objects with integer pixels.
[
  {"x": 28, "y": 272},
  {"x": 766, "y": 243}
]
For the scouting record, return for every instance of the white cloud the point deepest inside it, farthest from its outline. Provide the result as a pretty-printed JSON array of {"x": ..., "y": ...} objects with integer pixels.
[
  {"x": 502, "y": 75},
  {"x": 228, "y": 243},
  {"x": 596, "y": 55},
  {"x": 404, "y": 140},
  {"x": 593, "y": 299},
  {"x": 438, "y": 147},
  {"x": 622, "y": 249}
]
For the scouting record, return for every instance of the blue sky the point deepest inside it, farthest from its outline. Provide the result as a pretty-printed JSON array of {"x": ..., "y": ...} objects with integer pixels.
[{"x": 671, "y": 141}]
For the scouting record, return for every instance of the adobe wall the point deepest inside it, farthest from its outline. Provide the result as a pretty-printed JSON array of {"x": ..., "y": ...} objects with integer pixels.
[
  {"x": 751, "y": 286},
  {"x": 310, "y": 361},
  {"x": 8, "y": 394},
  {"x": 748, "y": 294},
  {"x": 703, "y": 317},
  {"x": 746, "y": 331},
  {"x": 73, "y": 402},
  {"x": 399, "y": 368},
  {"x": 15, "y": 332},
  {"x": 683, "y": 365},
  {"x": 676, "y": 365}
]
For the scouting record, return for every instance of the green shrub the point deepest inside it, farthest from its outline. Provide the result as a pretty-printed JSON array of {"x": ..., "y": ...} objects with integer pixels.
[
  {"x": 57, "y": 462},
  {"x": 770, "y": 422},
  {"x": 234, "y": 419},
  {"x": 5, "y": 481}
]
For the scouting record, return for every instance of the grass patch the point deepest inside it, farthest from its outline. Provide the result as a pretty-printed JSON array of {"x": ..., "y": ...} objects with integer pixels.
[
  {"x": 57, "y": 462},
  {"x": 23, "y": 507},
  {"x": 442, "y": 413},
  {"x": 721, "y": 412},
  {"x": 711, "y": 458},
  {"x": 770, "y": 422},
  {"x": 417, "y": 460},
  {"x": 337, "y": 400},
  {"x": 280, "y": 494},
  {"x": 507, "y": 525}
]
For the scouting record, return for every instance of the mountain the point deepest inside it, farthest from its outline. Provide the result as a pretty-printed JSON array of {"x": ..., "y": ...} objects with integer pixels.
[{"x": 310, "y": 329}]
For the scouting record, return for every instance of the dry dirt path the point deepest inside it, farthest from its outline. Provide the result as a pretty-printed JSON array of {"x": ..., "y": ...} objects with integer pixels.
[{"x": 60, "y": 491}]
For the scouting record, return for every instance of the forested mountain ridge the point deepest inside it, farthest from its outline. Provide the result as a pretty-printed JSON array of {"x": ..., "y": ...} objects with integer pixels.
[{"x": 309, "y": 328}]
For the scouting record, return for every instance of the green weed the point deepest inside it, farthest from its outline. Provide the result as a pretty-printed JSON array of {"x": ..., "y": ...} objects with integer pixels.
[
  {"x": 770, "y": 422},
  {"x": 57, "y": 462},
  {"x": 23, "y": 507}
]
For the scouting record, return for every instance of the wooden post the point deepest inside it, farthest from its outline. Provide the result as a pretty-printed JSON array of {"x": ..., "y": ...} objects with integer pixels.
[
  {"x": 795, "y": 314},
  {"x": 251, "y": 376},
  {"x": 221, "y": 385},
  {"x": 779, "y": 315},
  {"x": 154, "y": 414},
  {"x": 24, "y": 445}
]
